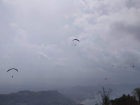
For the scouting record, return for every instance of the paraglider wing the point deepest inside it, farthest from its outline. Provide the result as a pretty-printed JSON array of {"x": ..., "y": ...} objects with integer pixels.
[
  {"x": 12, "y": 69},
  {"x": 106, "y": 79},
  {"x": 75, "y": 39}
]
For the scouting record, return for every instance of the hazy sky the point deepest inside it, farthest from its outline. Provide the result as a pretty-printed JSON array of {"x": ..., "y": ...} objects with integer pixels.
[{"x": 36, "y": 38}]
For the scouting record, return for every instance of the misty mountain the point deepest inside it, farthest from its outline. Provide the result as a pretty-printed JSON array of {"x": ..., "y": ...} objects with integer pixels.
[
  {"x": 76, "y": 93},
  {"x": 35, "y": 98},
  {"x": 84, "y": 92}
]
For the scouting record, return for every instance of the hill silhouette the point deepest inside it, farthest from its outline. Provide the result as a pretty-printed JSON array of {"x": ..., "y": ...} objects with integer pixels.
[{"x": 35, "y": 98}]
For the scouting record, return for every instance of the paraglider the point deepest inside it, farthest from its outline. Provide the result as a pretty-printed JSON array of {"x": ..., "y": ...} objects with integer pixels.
[
  {"x": 106, "y": 79},
  {"x": 75, "y": 40},
  {"x": 133, "y": 67},
  {"x": 12, "y": 69}
]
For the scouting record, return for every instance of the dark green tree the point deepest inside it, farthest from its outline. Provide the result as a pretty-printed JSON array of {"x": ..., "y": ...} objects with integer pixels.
[{"x": 125, "y": 100}]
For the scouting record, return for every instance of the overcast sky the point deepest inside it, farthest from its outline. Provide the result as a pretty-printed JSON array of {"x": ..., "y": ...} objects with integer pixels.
[{"x": 36, "y": 38}]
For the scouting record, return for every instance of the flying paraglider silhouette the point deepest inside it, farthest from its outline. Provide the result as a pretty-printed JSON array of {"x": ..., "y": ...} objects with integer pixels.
[
  {"x": 12, "y": 69},
  {"x": 106, "y": 79},
  {"x": 75, "y": 40},
  {"x": 133, "y": 67}
]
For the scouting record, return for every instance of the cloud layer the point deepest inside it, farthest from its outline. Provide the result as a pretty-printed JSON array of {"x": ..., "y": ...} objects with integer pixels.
[{"x": 36, "y": 37}]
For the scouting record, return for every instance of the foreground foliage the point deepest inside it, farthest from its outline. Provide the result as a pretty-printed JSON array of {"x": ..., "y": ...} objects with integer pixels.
[
  {"x": 104, "y": 96},
  {"x": 125, "y": 100},
  {"x": 136, "y": 93}
]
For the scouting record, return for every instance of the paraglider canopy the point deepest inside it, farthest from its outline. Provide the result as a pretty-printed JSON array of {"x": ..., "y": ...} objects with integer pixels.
[
  {"x": 106, "y": 78},
  {"x": 12, "y": 69},
  {"x": 75, "y": 39}
]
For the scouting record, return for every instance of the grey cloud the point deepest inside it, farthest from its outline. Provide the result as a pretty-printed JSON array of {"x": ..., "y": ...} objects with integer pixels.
[
  {"x": 120, "y": 28},
  {"x": 59, "y": 64},
  {"x": 42, "y": 55},
  {"x": 13, "y": 25},
  {"x": 107, "y": 37}
]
